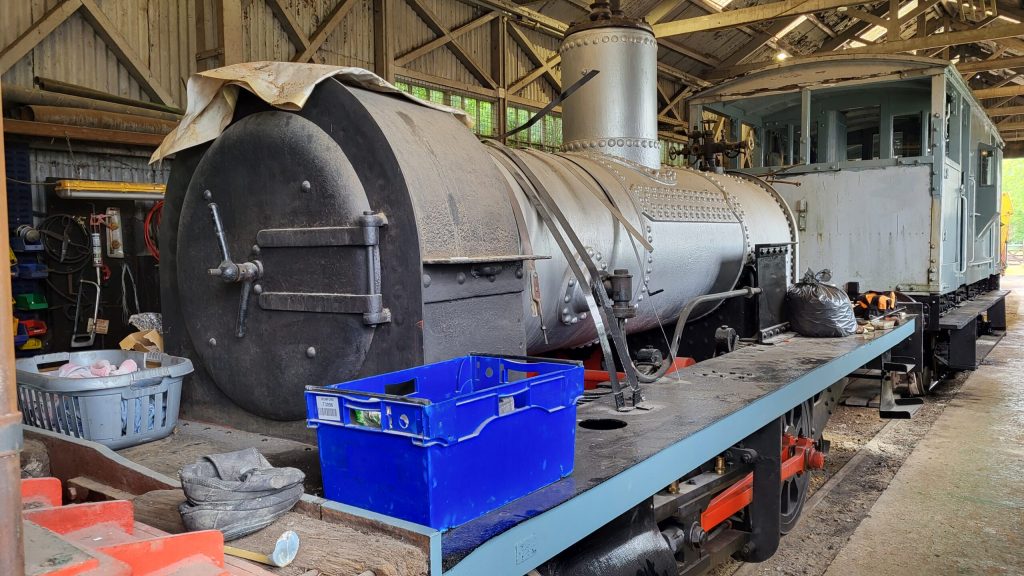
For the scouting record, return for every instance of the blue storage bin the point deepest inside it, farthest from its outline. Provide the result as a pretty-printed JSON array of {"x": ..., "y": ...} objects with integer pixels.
[
  {"x": 444, "y": 443},
  {"x": 33, "y": 270}
]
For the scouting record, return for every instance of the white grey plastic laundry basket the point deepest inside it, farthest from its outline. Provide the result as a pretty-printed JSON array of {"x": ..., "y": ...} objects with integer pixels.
[{"x": 118, "y": 411}]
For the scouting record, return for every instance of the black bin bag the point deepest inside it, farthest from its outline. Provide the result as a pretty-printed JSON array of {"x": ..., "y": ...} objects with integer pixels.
[{"x": 818, "y": 309}]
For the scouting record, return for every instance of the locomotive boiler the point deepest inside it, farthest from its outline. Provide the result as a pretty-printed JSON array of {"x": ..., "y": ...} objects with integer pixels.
[{"x": 366, "y": 233}]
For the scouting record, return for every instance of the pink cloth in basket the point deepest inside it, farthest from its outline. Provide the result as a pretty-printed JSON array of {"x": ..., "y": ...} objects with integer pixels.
[{"x": 97, "y": 370}]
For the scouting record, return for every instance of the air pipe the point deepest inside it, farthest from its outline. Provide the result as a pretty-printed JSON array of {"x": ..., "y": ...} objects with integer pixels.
[{"x": 681, "y": 323}]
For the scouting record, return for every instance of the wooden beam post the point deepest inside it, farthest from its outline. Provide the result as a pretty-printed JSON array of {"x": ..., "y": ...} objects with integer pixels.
[
  {"x": 383, "y": 51},
  {"x": 12, "y": 561},
  {"x": 892, "y": 32},
  {"x": 499, "y": 53},
  {"x": 231, "y": 31}
]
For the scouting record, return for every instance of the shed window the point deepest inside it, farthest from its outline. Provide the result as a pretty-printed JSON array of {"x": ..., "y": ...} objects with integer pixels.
[{"x": 481, "y": 111}]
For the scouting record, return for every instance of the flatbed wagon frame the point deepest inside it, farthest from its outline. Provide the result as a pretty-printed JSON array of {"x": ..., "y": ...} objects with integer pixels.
[{"x": 696, "y": 414}]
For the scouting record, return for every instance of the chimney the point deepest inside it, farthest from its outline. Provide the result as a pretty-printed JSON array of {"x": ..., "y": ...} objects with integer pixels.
[{"x": 616, "y": 112}]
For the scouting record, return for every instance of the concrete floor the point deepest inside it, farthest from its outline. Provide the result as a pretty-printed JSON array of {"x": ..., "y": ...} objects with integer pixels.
[{"x": 956, "y": 506}]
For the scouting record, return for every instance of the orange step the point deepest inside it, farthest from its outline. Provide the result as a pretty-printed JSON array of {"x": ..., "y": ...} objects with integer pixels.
[{"x": 103, "y": 539}]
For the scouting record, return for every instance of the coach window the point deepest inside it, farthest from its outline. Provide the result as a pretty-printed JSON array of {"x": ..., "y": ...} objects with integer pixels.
[
  {"x": 906, "y": 135},
  {"x": 860, "y": 128}
]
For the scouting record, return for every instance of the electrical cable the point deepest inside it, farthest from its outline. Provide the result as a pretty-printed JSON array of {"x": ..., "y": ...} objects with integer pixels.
[
  {"x": 57, "y": 233},
  {"x": 126, "y": 274},
  {"x": 151, "y": 227}
]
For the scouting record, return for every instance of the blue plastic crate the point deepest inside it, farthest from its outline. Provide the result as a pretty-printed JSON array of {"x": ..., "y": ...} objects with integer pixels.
[{"x": 444, "y": 443}]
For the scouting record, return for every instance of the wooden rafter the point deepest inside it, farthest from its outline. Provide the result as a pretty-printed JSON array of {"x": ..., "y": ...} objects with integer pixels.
[
  {"x": 544, "y": 67},
  {"x": 757, "y": 41},
  {"x": 1010, "y": 126},
  {"x": 685, "y": 78},
  {"x": 917, "y": 43},
  {"x": 941, "y": 40},
  {"x": 922, "y": 8},
  {"x": 893, "y": 26},
  {"x": 822, "y": 26},
  {"x": 991, "y": 64},
  {"x": 714, "y": 8},
  {"x": 103, "y": 27},
  {"x": 866, "y": 17},
  {"x": 670, "y": 102},
  {"x": 440, "y": 41},
  {"x": 460, "y": 52},
  {"x": 291, "y": 26},
  {"x": 1005, "y": 111},
  {"x": 749, "y": 15},
  {"x": 852, "y": 32},
  {"x": 327, "y": 26},
  {"x": 35, "y": 34},
  {"x": 126, "y": 55},
  {"x": 539, "y": 22},
  {"x": 661, "y": 10},
  {"x": 1000, "y": 92},
  {"x": 678, "y": 48}
]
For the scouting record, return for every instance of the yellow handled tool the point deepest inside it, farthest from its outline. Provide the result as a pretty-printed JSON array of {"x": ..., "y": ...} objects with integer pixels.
[{"x": 285, "y": 549}]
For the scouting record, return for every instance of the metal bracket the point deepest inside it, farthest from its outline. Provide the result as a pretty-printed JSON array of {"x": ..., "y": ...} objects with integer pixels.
[
  {"x": 889, "y": 406},
  {"x": 741, "y": 455},
  {"x": 370, "y": 305}
]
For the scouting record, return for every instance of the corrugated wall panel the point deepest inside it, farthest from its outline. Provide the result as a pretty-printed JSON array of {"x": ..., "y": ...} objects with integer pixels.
[
  {"x": 16, "y": 18},
  {"x": 351, "y": 43},
  {"x": 91, "y": 166},
  {"x": 409, "y": 32},
  {"x": 519, "y": 65},
  {"x": 263, "y": 38},
  {"x": 161, "y": 32}
]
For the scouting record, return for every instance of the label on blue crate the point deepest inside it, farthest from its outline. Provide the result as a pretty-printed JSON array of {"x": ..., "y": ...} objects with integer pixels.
[
  {"x": 506, "y": 405},
  {"x": 327, "y": 408}
]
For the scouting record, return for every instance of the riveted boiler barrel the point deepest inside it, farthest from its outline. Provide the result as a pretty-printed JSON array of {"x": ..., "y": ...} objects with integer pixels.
[
  {"x": 387, "y": 236},
  {"x": 702, "y": 229}
]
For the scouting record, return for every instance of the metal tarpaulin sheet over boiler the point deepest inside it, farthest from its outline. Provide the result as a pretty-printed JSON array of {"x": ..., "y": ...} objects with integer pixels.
[{"x": 286, "y": 85}]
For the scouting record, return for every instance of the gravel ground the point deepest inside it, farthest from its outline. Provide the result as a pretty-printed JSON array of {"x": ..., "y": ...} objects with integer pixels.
[{"x": 821, "y": 533}]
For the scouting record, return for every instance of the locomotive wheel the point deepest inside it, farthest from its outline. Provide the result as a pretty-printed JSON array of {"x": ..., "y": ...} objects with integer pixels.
[{"x": 796, "y": 422}]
